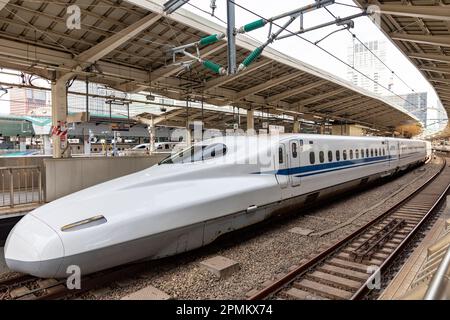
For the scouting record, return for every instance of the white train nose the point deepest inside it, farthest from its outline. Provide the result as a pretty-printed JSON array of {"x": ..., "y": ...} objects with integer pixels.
[{"x": 34, "y": 248}]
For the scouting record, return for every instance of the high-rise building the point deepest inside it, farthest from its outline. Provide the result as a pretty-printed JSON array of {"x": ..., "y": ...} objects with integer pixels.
[
  {"x": 415, "y": 103},
  {"x": 366, "y": 59},
  {"x": 24, "y": 100}
]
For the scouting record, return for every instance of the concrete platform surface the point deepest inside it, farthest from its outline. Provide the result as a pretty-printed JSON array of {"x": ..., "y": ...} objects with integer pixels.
[
  {"x": 401, "y": 284},
  {"x": 147, "y": 293}
]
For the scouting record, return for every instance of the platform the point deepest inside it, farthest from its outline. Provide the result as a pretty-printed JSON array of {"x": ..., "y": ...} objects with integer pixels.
[{"x": 401, "y": 286}]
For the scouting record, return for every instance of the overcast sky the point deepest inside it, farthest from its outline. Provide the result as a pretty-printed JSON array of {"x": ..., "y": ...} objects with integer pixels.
[{"x": 337, "y": 43}]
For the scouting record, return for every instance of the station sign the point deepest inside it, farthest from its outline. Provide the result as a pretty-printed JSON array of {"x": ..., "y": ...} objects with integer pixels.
[{"x": 120, "y": 127}]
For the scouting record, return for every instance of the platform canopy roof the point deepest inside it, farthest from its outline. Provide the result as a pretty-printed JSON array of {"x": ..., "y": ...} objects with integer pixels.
[
  {"x": 124, "y": 44},
  {"x": 421, "y": 30}
]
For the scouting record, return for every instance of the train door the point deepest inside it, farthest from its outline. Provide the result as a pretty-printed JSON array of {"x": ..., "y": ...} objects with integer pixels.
[
  {"x": 282, "y": 171},
  {"x": 386, "y": 154},
  {"x": 294, "y": 161}
]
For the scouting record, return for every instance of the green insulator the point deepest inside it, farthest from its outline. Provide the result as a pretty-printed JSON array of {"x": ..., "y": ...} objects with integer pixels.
[
  {"x": 209, "y": 40},
  {"x": 213, "y": 66},
  {"x": 252, "y": 57},
  {"x": 254, "y": 25}
]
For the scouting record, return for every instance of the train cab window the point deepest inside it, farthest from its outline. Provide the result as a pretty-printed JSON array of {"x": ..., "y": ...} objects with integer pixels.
[
  {"x": 321, "y": 157},
  {"x": 357, "y": 154},
  {"x": 351, "y": 154},
  {"x": 330, "y": 156},
  {"x": 338, "y": 155},
  {"x": 294, "y": 150},
  {"x": 312, "y": 157},
  {"x": 344, "y": 154},
  {"x": 197, "y": 153},
  {"x": 280, "y": 155}
]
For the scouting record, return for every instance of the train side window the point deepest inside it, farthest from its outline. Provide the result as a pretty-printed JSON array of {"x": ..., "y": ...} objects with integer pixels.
[
  {"x": 367, "y": 153},
  {"x": 371, "y": 152},
  {"x": 344, "y": 154},
  {"x": 376, "y": 152},
  {"x": 338, "y": 155},
  {"x": 357, "y": 154},
  {"x": 301, "y": 143},
  {"x": 351, "y": 154},
  {"x": 312, "y": 157},
  {"x": 321, "y": 157},
  {"x": 362, "y": 153},
  {"x": 379, "y": 151},
  {"x": 330, "y": 156},
  {"x": 280, "y": 155},
  {"x": 384, "y": 152},
  {"x": 294, "y": 150}
]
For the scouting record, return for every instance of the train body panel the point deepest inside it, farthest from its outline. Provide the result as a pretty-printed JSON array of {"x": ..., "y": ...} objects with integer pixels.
[{"x": 189, "y": 200}]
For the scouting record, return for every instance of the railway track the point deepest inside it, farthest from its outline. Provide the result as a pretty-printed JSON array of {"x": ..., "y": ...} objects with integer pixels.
[
  {"x": 25, "y": 287},
  {"x": 350, "y": 269}
]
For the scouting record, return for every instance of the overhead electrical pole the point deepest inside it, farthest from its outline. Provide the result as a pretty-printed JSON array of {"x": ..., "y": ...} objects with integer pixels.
[{"x": 231, "y": 36}]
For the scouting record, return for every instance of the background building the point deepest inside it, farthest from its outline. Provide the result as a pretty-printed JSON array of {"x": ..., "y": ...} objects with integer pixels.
[
  {"x": 24, "y": 100},
  {"x": 416, "y": 103},
  {"x": 367, "y": 63}
]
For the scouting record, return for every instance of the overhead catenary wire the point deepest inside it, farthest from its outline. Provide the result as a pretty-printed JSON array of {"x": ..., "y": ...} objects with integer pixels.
[
  {"x": 324, "y": 50},
  {"x": 354, "y": 36}
]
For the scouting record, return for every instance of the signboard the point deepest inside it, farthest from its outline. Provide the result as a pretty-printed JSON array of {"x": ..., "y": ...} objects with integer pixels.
[
  {"x": 120, "y": 127},
  {"x": 276, "y": 129}
]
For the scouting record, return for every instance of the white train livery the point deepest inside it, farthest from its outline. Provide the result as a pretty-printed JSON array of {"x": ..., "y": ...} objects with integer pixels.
[{"x": 190, "y": 199}]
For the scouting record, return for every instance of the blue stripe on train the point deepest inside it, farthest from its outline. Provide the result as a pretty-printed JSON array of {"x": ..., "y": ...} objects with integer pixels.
[{"x": 333, "y": 166}]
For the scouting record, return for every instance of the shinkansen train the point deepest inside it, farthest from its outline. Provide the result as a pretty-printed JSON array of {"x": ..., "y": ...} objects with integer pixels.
[{"x": 191, "y": 198}]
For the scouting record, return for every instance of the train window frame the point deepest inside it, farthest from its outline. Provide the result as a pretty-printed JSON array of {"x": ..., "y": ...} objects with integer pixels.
[
  {"x": 330, "y": 156},
  {"x": 338, "y": 155},
  {"x": 280, "y": 155},
  {"x": 197, "y": 153},
  {"x": 344, "y": 155},
  {"x": 321, "y": 156},
  {"x": 294, "y": 150},
  {"x": 312, "y": 157}
]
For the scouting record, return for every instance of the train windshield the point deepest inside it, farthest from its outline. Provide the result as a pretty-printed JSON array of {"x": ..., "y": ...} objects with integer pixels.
[{"x": 197, "y": 154}]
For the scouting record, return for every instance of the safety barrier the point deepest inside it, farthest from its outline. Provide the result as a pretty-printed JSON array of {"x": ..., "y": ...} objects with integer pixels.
[{"x": 20, "y": 185}]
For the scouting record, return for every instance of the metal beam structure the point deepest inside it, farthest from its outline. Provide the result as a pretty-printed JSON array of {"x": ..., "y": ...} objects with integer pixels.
[
  {"x": 421, "y": 30},
  {"x": 295, "y": 91},
  {"x": 129, "y": 52},
  {"x": 417, "y": 11},
  {"x": 442, "y": 41}
]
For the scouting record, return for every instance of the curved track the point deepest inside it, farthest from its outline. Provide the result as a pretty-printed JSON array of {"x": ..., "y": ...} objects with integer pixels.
[{"x": 348, "y": 269}]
